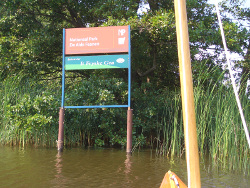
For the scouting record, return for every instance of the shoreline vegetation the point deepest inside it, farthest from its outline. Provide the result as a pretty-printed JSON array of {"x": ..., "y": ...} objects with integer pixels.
[{"x": 29, "y": 116}]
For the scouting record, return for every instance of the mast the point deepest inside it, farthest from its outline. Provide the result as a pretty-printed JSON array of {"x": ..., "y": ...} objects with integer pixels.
[{"x": 192, "y": 156}]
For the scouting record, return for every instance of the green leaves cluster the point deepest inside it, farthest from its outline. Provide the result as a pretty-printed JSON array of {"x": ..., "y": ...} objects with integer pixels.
[{"x": 27, "y": 111}]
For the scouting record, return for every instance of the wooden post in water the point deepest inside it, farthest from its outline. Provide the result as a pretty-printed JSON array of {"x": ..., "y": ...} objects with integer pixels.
[
  {"x": 129, "y": 130},
  {"x": 61, "y": 130},
  {"x": 192, "y": 156}
]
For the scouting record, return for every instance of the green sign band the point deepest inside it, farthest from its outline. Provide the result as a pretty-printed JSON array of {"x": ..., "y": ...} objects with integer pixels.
[{"x": 96, "y": 62}]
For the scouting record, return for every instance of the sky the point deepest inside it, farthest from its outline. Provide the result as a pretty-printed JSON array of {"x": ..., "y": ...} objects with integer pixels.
[
  {"x": 246, "y": 3},
  {"x": 144, "y": 7}
]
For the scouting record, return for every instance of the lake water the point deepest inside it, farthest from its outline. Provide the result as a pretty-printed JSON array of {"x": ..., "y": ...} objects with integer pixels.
[{"x": 77, "y": 167}]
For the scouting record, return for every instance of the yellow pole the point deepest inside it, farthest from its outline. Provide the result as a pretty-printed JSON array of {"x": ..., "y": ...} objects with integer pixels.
[{"x": 192, "y": 156}]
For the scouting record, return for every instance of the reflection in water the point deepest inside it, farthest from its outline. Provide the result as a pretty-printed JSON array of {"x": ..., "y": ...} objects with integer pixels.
[
  {"x": 59, "y": 180},
  {"x": 58, "y": 164},
  {"x": 128, "y": 164},
  {"x": 127, "y": 170}
]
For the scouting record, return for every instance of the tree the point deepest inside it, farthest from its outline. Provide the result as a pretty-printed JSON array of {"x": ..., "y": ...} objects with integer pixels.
[
  {"x": 245, "y": 76},
  {"x": 31, "y": 31}
]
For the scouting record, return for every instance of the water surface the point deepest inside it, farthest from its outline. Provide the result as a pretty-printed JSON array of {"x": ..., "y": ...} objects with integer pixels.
[{"x": 77, "y": 167}]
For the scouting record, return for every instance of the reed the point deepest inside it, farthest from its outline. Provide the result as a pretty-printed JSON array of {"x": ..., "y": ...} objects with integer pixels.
[
  {"x": 172, "y": 139},
  {"x": 220, "y": 132}
]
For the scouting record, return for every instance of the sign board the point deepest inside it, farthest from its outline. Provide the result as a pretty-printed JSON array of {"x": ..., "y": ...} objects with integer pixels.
[
  {"x": 96, "y": 62},
  {"x": 96, "y": 40},
  {"x": 87, "y": 48}
]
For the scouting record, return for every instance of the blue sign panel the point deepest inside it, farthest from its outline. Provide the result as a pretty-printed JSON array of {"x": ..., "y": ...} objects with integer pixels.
[{"x": 97, "y": 62}]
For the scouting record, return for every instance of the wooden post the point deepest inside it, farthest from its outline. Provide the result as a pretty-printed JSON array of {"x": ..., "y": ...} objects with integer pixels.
[
  {"x": 129, "y": 130},
  {"x": 61, "y": 130},
  {"x": 192, "y": 156}
]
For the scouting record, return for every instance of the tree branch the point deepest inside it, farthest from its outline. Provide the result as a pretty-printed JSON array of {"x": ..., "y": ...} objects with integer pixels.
[{"x": 149, "y": 70}]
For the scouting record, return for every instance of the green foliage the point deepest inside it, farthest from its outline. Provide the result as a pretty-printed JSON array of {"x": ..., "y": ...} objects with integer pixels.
[
  {"x": 27, "y": 116},
  {"x": 121, "y": 9},
  {"x": 96, "y": 90},
  {"x": 154, "y": 48}
]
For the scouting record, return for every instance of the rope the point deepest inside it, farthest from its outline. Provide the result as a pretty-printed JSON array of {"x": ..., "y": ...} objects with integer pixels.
[
  {"x": 231, "y": 76},
  {"x": 59, "y": 142},
  {"x": 172, "y": 177}
]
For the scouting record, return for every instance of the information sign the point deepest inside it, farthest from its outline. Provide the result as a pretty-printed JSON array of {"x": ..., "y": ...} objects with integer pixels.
[
  {"x": 96, "y": 48},
  {"x": 96, "y": 40}
]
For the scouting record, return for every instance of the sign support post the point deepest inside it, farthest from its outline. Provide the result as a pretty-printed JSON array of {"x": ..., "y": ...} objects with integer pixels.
[
  {"x": 129, "y": 130},
  {"x": 130, "y": 111},
  {"x": 60, "y": 141}
]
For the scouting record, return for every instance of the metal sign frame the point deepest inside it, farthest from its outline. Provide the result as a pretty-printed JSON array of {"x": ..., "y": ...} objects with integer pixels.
[{"x": 98, "y": 106}]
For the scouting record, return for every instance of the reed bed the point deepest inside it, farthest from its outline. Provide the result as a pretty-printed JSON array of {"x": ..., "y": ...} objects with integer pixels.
[
  {"x": 220, "y": 131},
  {"x": 221, "y": 136}
]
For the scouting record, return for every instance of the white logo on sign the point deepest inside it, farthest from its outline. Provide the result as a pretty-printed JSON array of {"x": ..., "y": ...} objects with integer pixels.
[
  {"x": 121, "y": 40},
  {"x": 120, "y": 60},
  {"x": 121, "y": 32}
]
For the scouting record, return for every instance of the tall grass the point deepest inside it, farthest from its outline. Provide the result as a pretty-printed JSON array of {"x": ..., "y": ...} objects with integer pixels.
[
  {"x": 172, "y": 140},
  {"x": 220, "y": 132}
]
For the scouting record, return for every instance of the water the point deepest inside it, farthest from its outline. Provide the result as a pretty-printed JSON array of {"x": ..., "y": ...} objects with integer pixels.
[{"x": 77, "y": 167}]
